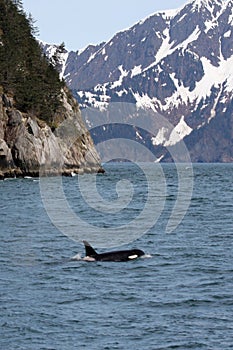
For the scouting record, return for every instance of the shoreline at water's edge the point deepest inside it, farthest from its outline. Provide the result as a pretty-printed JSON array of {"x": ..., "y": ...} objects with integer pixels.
[{"x": 18, "y": 173}]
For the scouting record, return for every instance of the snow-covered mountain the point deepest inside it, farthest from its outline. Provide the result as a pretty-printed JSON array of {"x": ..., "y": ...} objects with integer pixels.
[{"x": 178, "y": 63}]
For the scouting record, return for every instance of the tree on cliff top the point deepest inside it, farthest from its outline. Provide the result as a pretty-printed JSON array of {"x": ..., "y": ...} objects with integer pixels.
[{"x": 24, "y": 70}]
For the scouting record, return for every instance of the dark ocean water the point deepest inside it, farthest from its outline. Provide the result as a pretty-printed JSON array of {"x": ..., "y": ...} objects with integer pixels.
[{"x": 179, "y": 298}]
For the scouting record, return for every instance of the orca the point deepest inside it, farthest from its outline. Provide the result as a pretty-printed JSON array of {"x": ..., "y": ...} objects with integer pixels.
[{"x": 120, "y": 255}]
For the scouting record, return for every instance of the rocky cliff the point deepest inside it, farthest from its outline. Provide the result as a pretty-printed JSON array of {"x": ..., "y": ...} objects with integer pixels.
[{"x": 29, "y": 146}]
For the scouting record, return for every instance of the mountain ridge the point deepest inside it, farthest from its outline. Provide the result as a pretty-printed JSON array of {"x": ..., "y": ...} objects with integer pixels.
[{"x": 178, "y": 63}]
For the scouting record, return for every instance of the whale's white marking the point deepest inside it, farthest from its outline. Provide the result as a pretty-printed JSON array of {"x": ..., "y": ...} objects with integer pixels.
[
  {"x": 131, "y": 257},
  {"x": 88, "y": 258}
]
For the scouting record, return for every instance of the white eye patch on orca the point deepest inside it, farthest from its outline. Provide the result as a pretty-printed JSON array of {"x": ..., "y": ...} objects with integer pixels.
[{"x": 131, "y": 257}]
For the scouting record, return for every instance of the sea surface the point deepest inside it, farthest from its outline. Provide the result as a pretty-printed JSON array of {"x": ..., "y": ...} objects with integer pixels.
[{"x": 180, "y": 296}]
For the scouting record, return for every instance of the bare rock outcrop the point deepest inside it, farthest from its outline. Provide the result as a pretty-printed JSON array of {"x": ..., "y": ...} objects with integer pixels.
[{"x": 30, "y": 147}]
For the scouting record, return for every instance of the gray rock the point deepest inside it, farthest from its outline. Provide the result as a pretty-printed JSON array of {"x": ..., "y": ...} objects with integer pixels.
[
  {"x": 29, "y": 147},
  {"x": 6, "y": 160},
  {"x": 6, "y": 101},
  {"x": 14, "y": 117}
]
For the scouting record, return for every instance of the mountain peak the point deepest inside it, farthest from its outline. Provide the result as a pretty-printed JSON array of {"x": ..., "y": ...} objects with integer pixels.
[
  {"x": 210, "y": 4},
  {"x": 179, "y": 63}
]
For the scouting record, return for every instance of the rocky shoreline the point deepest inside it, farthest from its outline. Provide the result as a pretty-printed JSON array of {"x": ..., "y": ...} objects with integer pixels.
[{"x": 17, "y": 173}]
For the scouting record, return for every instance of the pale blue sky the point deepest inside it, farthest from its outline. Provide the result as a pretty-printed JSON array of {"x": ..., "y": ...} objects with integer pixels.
[{"x": 81, "y": 22}]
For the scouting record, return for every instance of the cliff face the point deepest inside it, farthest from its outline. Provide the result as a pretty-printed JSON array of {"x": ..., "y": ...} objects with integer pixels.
[{"x": 29, "y": 147}]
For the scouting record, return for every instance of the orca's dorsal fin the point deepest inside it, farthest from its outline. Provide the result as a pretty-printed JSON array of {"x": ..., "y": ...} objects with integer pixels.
[{"x": 89, "y": 250}]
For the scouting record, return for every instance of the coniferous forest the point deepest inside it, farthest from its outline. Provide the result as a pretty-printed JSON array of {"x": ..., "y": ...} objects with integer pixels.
[{"x": 25, "y": 72}]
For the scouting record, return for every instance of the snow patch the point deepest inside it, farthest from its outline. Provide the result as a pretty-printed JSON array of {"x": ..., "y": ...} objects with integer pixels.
[
  {"x": 181, "y": 18},
  {"x": 139, "y": 136},
  {"x": 119, "y": 82},
  {"x": 213, "y": 76},
  {"x": 227, "y": 34},
  {"x": 166, "y": 47},
  {"x": 158, "y": 160},
  {"x": 198, "y": 5},
  {"x": 193, "y": 37},
  {"x": 144, "y": 102},
  {"x": 209, "y": 25},
  {"x": 92, "y": 56},
  {"x": 91, "y": 99},
  {"x": 160, "y": 138},
  {"x": 121, "y": 93},
  {"x": 180, "y": 96},
  {"x": 136, "y": 70},
  {"x": 64, "y": 58},
  {"x": 178, "y": 133}
]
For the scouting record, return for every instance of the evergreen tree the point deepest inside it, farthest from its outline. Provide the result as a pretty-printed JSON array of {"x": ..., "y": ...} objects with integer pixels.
[{"x": 24, "y": 70}]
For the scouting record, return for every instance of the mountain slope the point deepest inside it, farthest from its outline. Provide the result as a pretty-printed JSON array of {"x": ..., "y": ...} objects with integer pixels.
[{"x": 178, "y": 63}]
